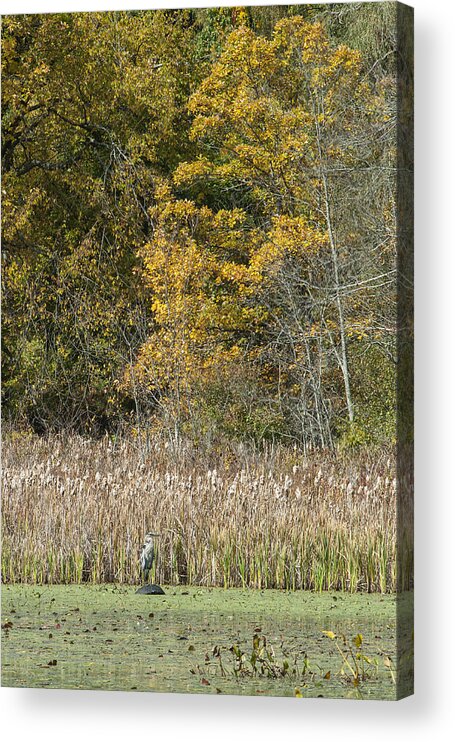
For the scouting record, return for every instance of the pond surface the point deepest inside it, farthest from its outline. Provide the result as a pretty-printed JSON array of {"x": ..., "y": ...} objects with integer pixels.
[{"x": 198, "y": 640}]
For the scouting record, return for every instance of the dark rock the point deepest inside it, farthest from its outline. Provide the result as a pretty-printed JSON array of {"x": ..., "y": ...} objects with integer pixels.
[{"x": 150, "y": 590}]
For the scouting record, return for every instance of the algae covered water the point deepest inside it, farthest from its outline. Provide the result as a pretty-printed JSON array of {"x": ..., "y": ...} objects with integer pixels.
[{"x": 194, "y": 640}]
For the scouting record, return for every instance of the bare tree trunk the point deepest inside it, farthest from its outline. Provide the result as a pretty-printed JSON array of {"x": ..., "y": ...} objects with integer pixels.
[
  {"x": 343, "y": 351},
  {"x": 343, "y": 356}
]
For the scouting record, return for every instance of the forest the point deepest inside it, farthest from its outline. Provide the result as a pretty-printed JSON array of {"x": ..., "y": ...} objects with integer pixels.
[{"x": 199, "y": 236}]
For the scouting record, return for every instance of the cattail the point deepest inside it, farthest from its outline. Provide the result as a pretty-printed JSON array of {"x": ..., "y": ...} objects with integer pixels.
[{"x": 77, "y": 510}]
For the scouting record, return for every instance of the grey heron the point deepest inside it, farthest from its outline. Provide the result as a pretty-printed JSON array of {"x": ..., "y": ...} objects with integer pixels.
[{"x": 148, "y": 554}]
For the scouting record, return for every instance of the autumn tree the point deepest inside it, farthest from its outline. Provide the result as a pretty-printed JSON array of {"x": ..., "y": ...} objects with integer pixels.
[
  {"x": 90, "y": 107},
  {"x": 199, "y": 221},
  {"x": 287, "y": 128}
]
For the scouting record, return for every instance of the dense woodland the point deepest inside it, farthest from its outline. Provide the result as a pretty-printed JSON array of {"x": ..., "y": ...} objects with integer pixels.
[{"x": 199, "y": 223}]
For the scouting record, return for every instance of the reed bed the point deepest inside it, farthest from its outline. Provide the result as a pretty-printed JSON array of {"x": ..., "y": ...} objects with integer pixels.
[{"x": 76, "y": 510}]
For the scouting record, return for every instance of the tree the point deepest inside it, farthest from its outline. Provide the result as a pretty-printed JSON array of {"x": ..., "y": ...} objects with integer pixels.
[
  {"x": 288, "y": 129},
  {"x": 195, "y": 197},
  {"x": 92, "y": 107}
]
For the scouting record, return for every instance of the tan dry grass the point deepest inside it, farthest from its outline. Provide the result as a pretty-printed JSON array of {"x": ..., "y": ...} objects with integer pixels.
[{"x": 77, "y": 510}]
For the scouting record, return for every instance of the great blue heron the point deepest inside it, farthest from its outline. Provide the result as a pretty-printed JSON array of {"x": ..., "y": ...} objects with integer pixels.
[{"x": 148, "y": 554}]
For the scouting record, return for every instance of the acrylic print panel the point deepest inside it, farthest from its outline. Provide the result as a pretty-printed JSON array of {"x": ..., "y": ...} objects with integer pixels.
[{"x": 207, "y": 367}]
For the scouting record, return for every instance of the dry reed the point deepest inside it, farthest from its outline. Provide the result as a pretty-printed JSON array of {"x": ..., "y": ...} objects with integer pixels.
[{"x": 76, "y": 510}]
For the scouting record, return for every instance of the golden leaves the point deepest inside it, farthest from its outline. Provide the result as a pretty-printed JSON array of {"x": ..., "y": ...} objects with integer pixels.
[
  {"x": 189, "y": 172},
  {"x": 197, "y": 290}
]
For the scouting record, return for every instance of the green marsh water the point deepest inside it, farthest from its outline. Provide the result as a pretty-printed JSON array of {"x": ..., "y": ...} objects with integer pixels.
[{"x": 107, "y": 637}]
